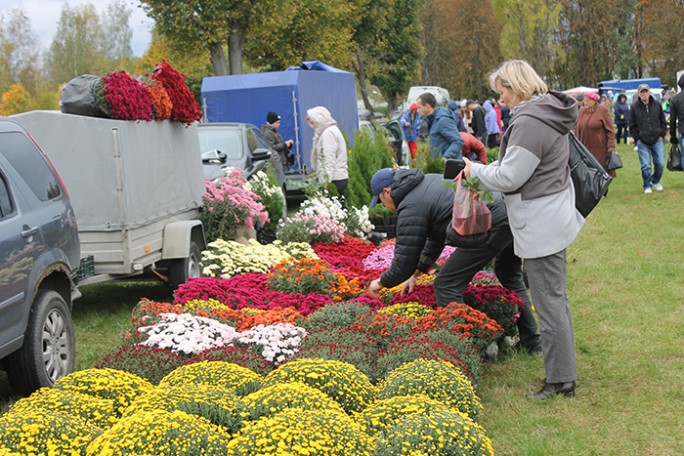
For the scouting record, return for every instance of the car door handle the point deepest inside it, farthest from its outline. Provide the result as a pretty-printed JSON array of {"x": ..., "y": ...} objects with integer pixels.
[{"x": 28, "y": 232}]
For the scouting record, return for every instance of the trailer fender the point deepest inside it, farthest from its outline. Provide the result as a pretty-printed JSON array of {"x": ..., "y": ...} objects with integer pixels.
[{"x": 178, "y": 236}]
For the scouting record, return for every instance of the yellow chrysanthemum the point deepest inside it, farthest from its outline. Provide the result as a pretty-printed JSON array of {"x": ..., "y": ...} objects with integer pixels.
[
  {"x": 296, "y": 431},
  {"x": 216, "y": 373}
]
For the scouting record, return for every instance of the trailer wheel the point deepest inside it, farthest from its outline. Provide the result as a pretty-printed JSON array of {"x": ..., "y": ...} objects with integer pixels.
[
  {"x": 49, "y": 350},
  {"x": 180, "y": 270}
]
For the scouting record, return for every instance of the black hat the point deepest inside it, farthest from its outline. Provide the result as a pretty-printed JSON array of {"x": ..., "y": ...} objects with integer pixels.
[{"x": 272, "y": 117}]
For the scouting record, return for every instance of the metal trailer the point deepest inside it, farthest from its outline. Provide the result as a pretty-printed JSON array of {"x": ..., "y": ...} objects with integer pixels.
[{"x": 136, "y": 189}]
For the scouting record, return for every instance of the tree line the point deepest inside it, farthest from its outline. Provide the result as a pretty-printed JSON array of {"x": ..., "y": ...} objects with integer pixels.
[{"x": 392, "y": 44}]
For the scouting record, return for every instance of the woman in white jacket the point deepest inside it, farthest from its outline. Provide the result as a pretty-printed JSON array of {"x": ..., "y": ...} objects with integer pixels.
[
  {"x": 533, "y": 174},
  {"x": 329, "y": 151}
]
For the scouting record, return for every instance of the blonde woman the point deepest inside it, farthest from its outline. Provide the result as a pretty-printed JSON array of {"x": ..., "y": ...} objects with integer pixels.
[
  {"x": 532, "y": 171},
  {"x": 329, "y": 151}
]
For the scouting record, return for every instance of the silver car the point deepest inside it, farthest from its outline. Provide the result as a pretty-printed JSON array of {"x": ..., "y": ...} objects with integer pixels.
[{"x": 39, "y": 257}]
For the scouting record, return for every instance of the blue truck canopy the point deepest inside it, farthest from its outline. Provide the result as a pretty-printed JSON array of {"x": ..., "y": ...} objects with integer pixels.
[{"x": 249, "y": 97}]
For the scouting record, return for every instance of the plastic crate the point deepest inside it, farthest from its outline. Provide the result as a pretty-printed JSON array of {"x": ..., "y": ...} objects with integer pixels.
[{"x": 86, "y": 268}]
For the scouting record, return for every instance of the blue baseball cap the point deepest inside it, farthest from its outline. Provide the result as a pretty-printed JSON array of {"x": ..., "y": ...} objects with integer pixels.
[{"x": 380, "y": 180}]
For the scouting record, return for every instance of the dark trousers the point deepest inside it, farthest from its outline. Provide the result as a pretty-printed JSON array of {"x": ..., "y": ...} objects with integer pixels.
[
  {"x": 463, "y": 264},
  {"x": 621, "y": 132},
  {"x": 341, "y": 186}
]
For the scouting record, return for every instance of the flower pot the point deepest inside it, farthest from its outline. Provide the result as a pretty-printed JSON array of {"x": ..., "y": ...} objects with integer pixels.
[{"x": 244, "y": 233}]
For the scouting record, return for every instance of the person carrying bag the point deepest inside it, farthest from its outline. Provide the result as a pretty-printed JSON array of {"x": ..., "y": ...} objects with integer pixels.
[{"x": 674, "y": 158}]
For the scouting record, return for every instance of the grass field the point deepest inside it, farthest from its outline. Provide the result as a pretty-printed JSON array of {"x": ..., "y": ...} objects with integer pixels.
[{"x": 627, "y": 295}]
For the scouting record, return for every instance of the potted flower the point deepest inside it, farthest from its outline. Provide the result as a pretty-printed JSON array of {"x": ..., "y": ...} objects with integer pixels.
[{"x": 229, "y": 206}]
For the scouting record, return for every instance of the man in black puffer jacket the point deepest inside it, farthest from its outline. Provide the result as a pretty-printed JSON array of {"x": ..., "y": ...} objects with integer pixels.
[
  {"x": 648, "y": 128},
  {"x": 677, "y": 115},
  {"x": 424, "y": 205}
]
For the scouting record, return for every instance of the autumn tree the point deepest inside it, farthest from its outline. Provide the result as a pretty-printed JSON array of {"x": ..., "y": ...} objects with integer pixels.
[
  {"x": 77, "y": 46},
  {"x": 663, "y": 48},
  {"x": 528, "y": 31},
  {"x": 211, "y": 24},
  {"x": 16, "y": 99},
  {"x": 118, "y": 35},
  {"x": 19, "y": 52},
  {"x": 590, "y": 42},
  {"x": 305, "y": 30},
  {"x": 462, "y": 42},
  {"x": 397, "y": 54}
]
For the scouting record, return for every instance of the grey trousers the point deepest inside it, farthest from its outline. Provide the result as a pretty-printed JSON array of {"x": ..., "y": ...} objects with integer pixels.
[
  {"x": 547, "y": 285},
  {"x": 463, "y": 264}
]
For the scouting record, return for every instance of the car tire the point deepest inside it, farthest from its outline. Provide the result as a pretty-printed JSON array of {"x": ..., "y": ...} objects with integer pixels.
[
  {"x": 181, "y": 269},
  {"x": 48, "y": 353}
]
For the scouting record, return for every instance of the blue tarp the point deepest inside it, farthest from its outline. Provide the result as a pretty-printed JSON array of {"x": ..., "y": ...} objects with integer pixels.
[{"x": 249, "y": 97}]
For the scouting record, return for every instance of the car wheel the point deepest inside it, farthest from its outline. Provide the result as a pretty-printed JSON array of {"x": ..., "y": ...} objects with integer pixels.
[
  {"x": 49, "y": 351},
  {"x": 180, "y": 270}
]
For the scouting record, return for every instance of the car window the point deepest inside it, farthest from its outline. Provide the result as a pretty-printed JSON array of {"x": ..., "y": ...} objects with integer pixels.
[
  {"x": 225, "y": 140},
  {"x": 5, "y": 202},
  {"x": 25, "y": 157},
  {"x": 252, "y": 141}
]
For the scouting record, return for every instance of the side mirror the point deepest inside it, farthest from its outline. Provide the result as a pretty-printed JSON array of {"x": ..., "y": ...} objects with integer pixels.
[
  {"x": 261, "y": 154},
  {"x": 213, "y": 155}
]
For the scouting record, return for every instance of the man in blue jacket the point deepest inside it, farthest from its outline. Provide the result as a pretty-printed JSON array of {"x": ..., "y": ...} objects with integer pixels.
[{"x": 445, "y": 141}]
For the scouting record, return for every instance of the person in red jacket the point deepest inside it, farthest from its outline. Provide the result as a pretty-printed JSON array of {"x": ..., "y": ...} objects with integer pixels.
[{"x": 473, "y": 148}]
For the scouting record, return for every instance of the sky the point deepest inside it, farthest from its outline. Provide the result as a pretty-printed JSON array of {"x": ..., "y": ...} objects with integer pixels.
[{"x": 44, "y": 15}]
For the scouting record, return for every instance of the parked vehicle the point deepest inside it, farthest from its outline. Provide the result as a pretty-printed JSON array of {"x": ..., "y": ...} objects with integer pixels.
[
  {"x": 136, "y": 189},
  {"x": 621, "y": 85},
  {"x": 232, "y": 145},
  {"x": 441, "y": 94},
  {"x": 249, "y": 97},
  {"x": 39, "y": 256}
]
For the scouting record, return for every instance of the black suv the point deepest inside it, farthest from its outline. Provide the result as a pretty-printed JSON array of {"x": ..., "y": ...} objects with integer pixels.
[{"x": 39, "y": 255}]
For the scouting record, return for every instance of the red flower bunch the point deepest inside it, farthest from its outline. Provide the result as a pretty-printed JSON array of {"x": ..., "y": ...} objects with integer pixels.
[
  {"x": 161, "y": 103},
  {"x": 499, "y": 303},
  {"x": 424, "y": 294},
  {"x": 462, "y": 319},
  {"x": 349, "y": 246},
  {"x": 220, "y": 289},
  {"x": 185, "y": 108},
  {"x": 124, "y": 97},
  {"x": 373, "y": 303}
]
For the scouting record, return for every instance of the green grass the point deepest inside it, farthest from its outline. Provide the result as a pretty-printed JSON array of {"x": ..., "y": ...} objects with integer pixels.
[{"x": 627, "y": 296}]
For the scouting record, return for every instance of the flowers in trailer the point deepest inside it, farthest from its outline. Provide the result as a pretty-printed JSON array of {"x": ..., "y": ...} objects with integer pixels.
[
  {"x": 123, "y": 97},
  {"x": 184, "y": 106}
]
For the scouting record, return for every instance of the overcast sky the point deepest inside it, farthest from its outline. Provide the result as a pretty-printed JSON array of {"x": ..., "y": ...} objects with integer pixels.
[{"x": 44, "y": 15}]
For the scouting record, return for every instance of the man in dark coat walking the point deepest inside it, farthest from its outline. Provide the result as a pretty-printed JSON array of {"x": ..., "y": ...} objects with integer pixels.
[
  {"x": 648, "y": 128},
  {"x": 677, "y": 115},
  {"x": 424, "y": 205}
]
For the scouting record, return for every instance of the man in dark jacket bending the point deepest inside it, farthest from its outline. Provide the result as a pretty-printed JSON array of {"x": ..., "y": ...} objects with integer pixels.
[{"x": 424, "y": 205}]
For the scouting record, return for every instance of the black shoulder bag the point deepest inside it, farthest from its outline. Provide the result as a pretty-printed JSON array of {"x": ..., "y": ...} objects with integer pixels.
[{"x": 589, "y": 178}]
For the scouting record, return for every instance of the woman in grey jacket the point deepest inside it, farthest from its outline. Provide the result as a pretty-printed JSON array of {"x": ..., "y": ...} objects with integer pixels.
[{"x": 533, "y": 174}]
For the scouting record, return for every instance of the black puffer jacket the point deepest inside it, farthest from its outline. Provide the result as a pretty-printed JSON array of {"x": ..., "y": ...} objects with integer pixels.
[
  {"x": 677, "y": 111},
  {"x": 647, "y": 122},
  {"x": 424, "y": 206}
]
